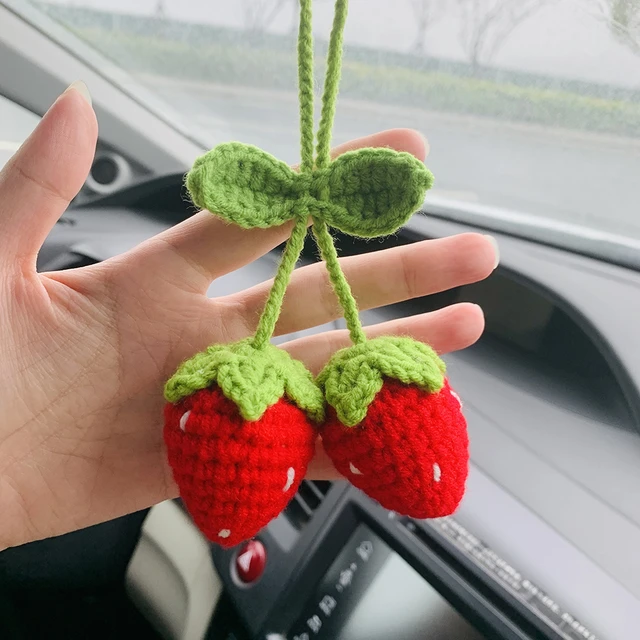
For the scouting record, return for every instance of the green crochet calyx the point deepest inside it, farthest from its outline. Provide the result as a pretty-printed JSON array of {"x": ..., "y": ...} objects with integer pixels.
[
  {"x": 367, "y": 193},
  {"x": 253, "y": 378},
  {"x": 353, "y": 376}
]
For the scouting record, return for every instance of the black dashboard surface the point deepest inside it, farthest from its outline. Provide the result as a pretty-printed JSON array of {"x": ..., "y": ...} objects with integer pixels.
[{"x": 552, "y": 396}]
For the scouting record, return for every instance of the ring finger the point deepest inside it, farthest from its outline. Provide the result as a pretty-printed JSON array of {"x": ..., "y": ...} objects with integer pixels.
[{"x": 449, "y": 329}]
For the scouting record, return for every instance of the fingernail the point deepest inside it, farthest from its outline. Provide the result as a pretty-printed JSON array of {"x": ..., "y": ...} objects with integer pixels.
[
  {"x": 496, "y": 249},
  {"x": 81, "y": 88}
]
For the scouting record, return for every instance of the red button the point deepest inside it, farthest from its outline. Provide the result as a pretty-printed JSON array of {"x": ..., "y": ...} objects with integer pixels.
[{"x": 250, "y": 561}]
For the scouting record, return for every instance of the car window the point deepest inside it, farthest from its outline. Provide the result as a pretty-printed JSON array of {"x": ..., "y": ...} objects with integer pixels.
[
  {"x": 16, "y": 123},
  {"x": 532, "y": 106}
]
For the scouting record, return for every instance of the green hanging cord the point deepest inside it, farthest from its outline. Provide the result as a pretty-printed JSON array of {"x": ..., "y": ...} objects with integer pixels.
[
  {"x": 295, "y": 244},
  {"x": 320, "y": 230},
  {"x": 331, "y": 84},
  {"x": 339, "y": 281},
  {"x": 305, "y": 85},
  {"x": 273, "y": 306}
]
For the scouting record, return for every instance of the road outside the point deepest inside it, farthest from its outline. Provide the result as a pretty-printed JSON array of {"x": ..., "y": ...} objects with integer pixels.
[{"x": 569, "y": 176}]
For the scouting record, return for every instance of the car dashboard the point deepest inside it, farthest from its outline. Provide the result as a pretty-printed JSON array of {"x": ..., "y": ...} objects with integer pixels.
[{"x": 544, "y": 543}]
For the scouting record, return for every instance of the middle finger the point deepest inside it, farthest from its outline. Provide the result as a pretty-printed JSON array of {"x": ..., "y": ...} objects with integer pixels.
[
  {"x": 377, "y": 279},
  {"x": 445, "y": 330}
]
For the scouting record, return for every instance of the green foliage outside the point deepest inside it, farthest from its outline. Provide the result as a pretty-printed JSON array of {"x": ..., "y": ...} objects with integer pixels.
[{"x": 223, "y": 56}]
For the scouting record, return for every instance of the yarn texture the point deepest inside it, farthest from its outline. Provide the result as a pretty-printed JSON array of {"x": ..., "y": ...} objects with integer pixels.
[
  {"x": 273, "y": 306},
  {"x": 367, "y": 193},
  {"x": 409, "y": 453},
  {"x": 241, "y": 420},
  {"x": 305, "y": 85},
  {"x": 236, "y": 475},
  {"x": 354, "y": 376},
  {"x": 338, "y": 281},
  {"x": 254, "y": 379}
]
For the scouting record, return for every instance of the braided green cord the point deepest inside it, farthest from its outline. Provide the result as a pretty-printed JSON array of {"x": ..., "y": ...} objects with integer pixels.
[
  {"x": 273, "y": 306},
  {"x": 331, "y": 84},
  {"x": 323, "y": 149},
  {"x": 305, "y": 85},
  {"x": 369, "y": 192},
  {"x": 339, "y": 281},
  {"x": 295, "y": 244}
]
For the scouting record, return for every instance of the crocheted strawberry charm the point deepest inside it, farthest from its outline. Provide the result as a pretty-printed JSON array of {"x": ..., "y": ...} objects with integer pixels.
[
  {"x": 241, "y": 420},
  {"x": 239, "y": 432},
  {"x": 395, "y": 428}
]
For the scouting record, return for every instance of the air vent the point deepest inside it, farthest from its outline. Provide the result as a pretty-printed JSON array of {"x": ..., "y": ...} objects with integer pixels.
[
  {"x": 309, "y": 497},
  {"x": 109, "y": 173}
]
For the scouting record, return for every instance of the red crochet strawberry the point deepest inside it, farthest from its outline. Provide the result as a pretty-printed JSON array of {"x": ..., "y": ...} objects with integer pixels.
[
  {"x": 238, "y": 428},
  {"x": 239, "y": 436},
  {"x": 395, "y": 428}
]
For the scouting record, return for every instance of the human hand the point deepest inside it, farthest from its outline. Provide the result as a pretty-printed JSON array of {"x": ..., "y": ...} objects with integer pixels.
[{"x": 86, "y": 352}]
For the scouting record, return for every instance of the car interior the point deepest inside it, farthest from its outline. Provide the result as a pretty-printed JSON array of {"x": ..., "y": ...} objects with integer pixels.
[{"x": 545, "y": 543}]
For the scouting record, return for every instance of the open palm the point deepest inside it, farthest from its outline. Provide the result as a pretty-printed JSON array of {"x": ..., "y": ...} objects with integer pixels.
[{"x": 85, "y": 352}]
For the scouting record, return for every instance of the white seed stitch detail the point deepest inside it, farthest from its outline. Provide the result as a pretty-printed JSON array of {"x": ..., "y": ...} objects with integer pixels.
[
  {"x": 183, "y": 420},
  {"x": 354, "y": 469},
  {"x": 224, "y": 533},
  {"x": 457, "y": 397},
  {"x": 291, "y": 474},
  {"x": 437, "y": 472}
]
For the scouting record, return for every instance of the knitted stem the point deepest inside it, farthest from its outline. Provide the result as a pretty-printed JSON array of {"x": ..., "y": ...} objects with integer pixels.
[
  {"x": 323, "y": 158},
  {"x": 305, "y": 85},
  {"x": 331, "y": 84},
  {"x": 339, "y": 282},
  {"x": 273, "y": 306}
]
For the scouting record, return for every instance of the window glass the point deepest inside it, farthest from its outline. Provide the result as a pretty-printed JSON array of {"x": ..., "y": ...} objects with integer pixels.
[
  {"x": 530, "y": 106},
  {"x": 16, "y": 123}
]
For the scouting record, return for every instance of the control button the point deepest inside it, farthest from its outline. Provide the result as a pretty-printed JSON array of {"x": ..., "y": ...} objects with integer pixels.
[
  {"x": 327, "y": 605},
  {"x": 314, "y": 623},
  {"x": 250, "y": 561},
  {"x": 346, "y": 576},
  {"x": 365, "y": 550}
]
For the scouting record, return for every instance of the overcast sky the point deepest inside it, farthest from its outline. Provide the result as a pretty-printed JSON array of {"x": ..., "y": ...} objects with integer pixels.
[{"x": 563, "y": 38}]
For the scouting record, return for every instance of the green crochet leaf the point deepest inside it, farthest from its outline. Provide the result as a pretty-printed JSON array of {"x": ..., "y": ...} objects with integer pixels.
[
  {"x": 372, "y": 192},
  {"x": 353, "y": 376},
  {"x": 254, "y": 379},
  {"x": 367, "y": 193},
  {"x": 244, "y": 185}
]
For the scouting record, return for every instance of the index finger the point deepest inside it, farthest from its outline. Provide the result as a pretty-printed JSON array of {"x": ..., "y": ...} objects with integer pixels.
[{"x": 205, "y": 247}]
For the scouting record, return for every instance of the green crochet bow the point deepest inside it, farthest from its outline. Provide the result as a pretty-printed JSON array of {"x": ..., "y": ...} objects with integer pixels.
[{"x": 366, "y": 193}]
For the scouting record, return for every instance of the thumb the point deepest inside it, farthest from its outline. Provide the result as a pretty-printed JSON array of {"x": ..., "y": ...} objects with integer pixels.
[{"x": 45, "y": 174}]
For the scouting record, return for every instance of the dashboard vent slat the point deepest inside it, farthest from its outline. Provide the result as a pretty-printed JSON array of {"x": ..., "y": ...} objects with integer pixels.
[{"x": 308, "y": 499}]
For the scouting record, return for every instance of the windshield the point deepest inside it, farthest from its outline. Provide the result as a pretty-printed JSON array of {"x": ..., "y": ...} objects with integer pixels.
[
  {"x": 529, "y": 105},
  {"x": 16, "y": 123}
]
